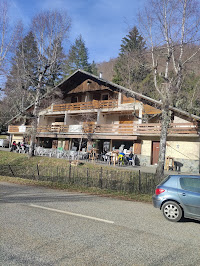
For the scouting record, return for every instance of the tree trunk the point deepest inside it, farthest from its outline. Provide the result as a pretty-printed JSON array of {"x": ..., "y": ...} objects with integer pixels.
[
  {"x": 35, "y": 119},
  {"x": 163, "y": 141},
  {"x": 79, "y": 148}
]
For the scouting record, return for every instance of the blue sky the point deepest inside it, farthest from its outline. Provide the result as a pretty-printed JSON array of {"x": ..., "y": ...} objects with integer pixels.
[{"x": 102, "y": 23}]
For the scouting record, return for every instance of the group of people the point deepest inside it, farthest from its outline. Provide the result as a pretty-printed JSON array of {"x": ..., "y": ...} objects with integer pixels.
[
  {"x": 19, "y": 147},
  {"x": 121, "y": 159},
  {"x": 125, "y": 160}
]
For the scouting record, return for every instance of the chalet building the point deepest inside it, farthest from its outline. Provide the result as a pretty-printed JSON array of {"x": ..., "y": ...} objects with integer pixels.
[{"x": 105, "y": 116}]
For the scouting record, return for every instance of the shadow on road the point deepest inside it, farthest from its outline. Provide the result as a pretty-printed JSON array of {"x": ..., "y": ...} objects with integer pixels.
[
  {"x": 25, "y": 194},
  {"x": 187, "y": 220}
]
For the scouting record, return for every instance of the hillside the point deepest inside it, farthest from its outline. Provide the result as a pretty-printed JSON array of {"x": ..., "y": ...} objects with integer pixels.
[{"x": 107, "y": 69}]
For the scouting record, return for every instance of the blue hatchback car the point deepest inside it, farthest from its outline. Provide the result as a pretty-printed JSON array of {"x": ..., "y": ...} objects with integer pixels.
[{"x": 178, "y": 196}]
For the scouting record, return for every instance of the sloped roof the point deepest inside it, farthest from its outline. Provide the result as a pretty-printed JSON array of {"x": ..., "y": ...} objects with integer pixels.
[{"x": 80, "y": 76}]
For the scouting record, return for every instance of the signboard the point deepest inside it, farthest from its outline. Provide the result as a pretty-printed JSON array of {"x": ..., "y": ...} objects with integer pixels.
[
  {"x": 75, "y": 128},
  {"x": 22, "y": 129}
]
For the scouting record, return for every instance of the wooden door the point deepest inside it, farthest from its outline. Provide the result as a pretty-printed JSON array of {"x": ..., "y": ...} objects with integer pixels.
[
  {"x": 66, "y": 145},
  {"x": 137, "y": 147},
  {"x": 155, "y": 152}
]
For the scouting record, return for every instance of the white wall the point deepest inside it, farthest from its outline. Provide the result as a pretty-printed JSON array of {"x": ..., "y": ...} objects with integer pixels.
[
  {"x": 112, "y": 119},
  {"x": 177, "y": 149},
  {"x": 146, "y": 147},
  {"x": 179, "y": 120},
  {"x": 183, "y": 150}
]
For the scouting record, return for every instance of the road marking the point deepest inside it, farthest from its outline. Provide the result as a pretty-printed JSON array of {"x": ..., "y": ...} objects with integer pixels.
[{"x": 71, "y": 213}]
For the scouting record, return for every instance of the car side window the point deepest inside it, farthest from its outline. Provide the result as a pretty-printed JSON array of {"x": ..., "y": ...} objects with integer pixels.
[{"x": 190, "y": 184}]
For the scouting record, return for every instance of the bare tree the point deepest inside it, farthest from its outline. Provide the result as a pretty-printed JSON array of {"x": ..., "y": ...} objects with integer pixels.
[
  {"x": 19, "y": 89},
  {"x": 8, "y": 35},
  {"x": 50, "y": 29},
  {"x": 8, "y": 38},
  {"x": 169, "y": 26}
]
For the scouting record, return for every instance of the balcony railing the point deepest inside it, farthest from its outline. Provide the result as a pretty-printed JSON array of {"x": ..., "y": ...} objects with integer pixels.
[
  {"x": 85, "y": 105},
  {"x": 147, "y": 129},
  {"x": 18, "y": 129},
  {"x": 120, "y": 129}
]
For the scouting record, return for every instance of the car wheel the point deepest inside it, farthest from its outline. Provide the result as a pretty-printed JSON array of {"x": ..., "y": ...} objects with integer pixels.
[{"x": 172, "y": 211}]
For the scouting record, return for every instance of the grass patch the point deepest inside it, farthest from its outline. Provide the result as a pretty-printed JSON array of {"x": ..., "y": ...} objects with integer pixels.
[
  {"x": 20, "y": 159},
  {"x": 13, "y": 158}
]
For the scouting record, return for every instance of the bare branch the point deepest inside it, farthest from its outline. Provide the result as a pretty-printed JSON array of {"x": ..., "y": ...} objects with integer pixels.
[{"x": 8, "y": 36}]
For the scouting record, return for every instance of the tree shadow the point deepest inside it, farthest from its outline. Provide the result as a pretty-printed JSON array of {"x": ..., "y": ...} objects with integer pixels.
[{"x": 27, "y": 194}]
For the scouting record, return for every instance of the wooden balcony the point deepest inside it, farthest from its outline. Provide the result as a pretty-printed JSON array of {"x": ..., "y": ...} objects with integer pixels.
[
  {"x": 85, "y": 105},
  {"x": 116, "y": 129},
  {"x": 18, "y": 129},
  {"x": 147, "y": 129},
  {"x": 53, "y": 129}
]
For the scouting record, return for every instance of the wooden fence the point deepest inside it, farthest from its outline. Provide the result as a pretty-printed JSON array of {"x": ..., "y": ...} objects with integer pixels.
[{"x": 113, "y": 180}]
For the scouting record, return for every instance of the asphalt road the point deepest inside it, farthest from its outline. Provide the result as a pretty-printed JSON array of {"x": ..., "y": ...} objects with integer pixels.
[{"x": 41, "y": 226}]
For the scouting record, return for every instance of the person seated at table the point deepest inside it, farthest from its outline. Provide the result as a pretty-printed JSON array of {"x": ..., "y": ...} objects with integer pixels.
[
  {"x": 25, "y": 147},
  {"x": 19, "y": 146},
  {"x": 14, "y": 146},
  {"x": 130, "y": 156},
  {"x": 122, "y": 159},
  {"x": 103, "y": 155}
]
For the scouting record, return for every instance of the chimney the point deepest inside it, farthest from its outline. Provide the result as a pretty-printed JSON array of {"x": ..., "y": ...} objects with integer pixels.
[{"x": 100, "y": 75}]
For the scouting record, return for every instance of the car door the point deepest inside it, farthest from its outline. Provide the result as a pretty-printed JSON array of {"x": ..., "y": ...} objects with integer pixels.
[{"x": 189, "y": 193}]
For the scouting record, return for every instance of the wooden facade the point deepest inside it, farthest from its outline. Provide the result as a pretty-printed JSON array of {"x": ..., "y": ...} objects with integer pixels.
[{"x": 100, "y": 112}]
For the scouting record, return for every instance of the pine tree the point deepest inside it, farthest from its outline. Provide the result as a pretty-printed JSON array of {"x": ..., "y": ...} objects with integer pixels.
[
  {"x": 133, "y": 42},
  {"x": 94, "y": 69},
  {"x": 189, "y": 97},
  {"x": 77, "y": 57},
  {"x": 131, "y": 67},
  {"x": 24, "y": 64},
  {"x": 20, "y": 84}
]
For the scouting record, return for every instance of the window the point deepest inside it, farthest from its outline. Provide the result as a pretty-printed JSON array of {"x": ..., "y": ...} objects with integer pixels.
[
  {"x": 190, "y": 184},
  {"x": 96, "y": 96},
  {"x": 74, "y": 99},
  {"x": 104, "y": 97},
  {"x": 59, "y": 119}
]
